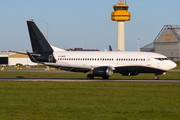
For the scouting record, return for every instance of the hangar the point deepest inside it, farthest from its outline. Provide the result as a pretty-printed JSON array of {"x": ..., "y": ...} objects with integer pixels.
[
  {"x": 167, "y": 42},
  {"x": 9, "y": 58}
]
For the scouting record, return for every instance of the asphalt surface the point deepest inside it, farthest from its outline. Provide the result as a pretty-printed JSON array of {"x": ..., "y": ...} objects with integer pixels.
[{"x": 84, "y": 80}]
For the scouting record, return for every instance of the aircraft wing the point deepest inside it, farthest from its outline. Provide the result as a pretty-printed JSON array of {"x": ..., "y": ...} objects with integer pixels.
[{"x": 70, "y": 67}]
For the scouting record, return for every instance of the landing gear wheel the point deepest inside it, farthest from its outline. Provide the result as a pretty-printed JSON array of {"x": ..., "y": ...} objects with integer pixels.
[
  {"x": 105, "y": 77},
  {"x": 90, "y": 76},
  {"x": 156, "y": 77}
]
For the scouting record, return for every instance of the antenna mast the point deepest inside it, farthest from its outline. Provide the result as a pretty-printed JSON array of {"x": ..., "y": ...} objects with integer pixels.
[{"x": 138, "y": 45}]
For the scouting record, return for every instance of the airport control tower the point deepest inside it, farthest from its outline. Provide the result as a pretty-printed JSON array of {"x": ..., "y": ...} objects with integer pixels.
[{"x": 121, "y": 15}]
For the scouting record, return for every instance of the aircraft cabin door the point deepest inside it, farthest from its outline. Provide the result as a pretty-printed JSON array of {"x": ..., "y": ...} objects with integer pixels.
[{"x": 149, "y": 60}]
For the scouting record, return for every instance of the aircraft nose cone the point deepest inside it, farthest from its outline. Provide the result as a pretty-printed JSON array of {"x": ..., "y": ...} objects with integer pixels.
[{"x": 175, "y": 65}]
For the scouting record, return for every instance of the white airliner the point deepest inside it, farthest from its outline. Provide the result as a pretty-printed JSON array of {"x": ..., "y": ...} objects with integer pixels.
[{"x": 96, "y": 63}]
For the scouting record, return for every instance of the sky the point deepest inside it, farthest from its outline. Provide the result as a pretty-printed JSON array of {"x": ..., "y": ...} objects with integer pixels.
[{"x": 83, "y": 23}]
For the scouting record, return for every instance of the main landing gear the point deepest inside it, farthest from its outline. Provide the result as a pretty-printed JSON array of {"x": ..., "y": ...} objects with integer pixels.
[
  {"x": 156, "y": 77},
  {"x": 90, "y": 76}
]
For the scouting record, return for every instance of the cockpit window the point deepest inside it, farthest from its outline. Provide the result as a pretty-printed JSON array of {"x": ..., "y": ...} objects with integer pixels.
[{"x": 161, "y": 59}]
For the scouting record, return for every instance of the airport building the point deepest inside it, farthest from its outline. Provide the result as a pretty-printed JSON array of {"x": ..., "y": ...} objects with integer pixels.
[
  {"x": 167, "y": 42},
  {"x": 11, "y": 59}
]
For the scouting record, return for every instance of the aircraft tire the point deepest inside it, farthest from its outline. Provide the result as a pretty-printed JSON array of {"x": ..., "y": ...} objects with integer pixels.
[
  {"x": 105, "y": 77},
  {"x": 89, "y": 76},
  {"x": 156, "y": 77}
]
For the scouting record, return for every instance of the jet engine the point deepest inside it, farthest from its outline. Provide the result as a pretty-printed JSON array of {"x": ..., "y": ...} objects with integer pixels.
[{"x": 105, "y": 72}]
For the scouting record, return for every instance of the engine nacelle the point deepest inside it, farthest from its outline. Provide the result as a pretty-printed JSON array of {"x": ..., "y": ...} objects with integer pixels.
[{"x": 103, "y": 71}]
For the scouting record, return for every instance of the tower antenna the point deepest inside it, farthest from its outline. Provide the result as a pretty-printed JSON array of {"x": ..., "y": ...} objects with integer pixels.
[
  {"x": 138, "y": 45},
  {"x": 121, "y": 2}
]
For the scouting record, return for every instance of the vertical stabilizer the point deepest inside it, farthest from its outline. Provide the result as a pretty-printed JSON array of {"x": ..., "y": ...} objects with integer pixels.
[{"x": 38, "y": 41}]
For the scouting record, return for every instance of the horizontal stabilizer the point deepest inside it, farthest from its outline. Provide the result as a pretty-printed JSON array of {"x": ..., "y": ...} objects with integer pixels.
[
  {"x": 24, "y": 53},
  {"x": 32, "y": 58},
  {"x": 18, "y": 52}
]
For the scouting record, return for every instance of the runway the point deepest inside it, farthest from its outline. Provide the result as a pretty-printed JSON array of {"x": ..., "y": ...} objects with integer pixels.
[{"x": 83, "y": 80}]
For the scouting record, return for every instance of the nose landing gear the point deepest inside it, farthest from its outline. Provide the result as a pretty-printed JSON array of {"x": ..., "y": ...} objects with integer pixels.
[{"x": 156, "y": 77}]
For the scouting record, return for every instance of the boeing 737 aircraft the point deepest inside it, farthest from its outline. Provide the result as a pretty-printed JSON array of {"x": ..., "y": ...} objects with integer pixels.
[{"x": 96, "y": 63}]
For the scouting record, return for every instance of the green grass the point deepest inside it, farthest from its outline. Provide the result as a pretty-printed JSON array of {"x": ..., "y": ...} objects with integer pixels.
[
  {"x": 89, "y": 101},
  {"x": 20, "y": 74}
]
